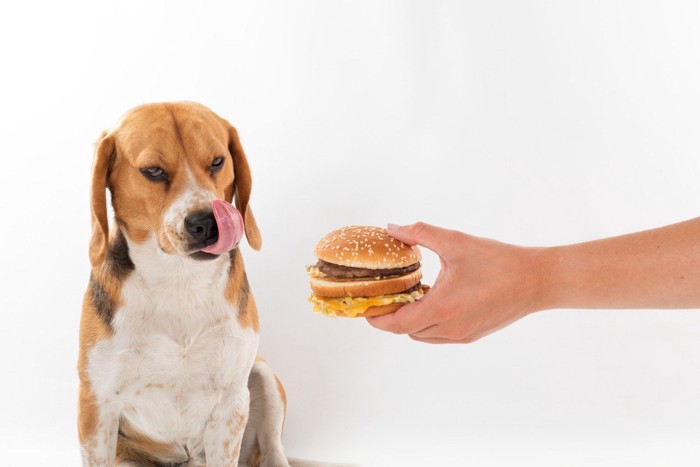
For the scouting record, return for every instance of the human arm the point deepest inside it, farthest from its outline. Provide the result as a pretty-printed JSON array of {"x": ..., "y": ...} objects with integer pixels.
[{"x": 484, "y": 285}]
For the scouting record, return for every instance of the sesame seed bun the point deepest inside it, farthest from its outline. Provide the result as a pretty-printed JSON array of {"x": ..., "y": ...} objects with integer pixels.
[{"x": 365, "y": 247}]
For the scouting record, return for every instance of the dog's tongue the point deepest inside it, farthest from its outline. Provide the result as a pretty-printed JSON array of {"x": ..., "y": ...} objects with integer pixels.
[{"x": 230, "y": 224}]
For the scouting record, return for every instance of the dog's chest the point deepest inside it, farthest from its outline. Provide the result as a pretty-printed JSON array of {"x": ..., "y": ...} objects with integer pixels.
[{"x": 176, "y": 346}]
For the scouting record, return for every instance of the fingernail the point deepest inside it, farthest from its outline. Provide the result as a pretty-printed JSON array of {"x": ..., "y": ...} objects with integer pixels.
[{"x": 392, "y": 226}]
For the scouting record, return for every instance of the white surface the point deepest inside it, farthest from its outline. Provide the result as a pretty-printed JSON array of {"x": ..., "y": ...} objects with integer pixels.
[{"x": 534, "y": 122}]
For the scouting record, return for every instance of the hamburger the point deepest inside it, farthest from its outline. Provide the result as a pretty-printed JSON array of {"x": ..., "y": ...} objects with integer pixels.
[{"x": 362, "y": 271}]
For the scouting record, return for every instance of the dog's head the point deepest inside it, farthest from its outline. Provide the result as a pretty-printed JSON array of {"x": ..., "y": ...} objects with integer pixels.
[{"x": 164, "y": 165}]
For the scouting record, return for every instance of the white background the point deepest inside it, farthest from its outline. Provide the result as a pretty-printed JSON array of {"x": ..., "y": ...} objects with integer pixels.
[{"x": 533, "y": 122}]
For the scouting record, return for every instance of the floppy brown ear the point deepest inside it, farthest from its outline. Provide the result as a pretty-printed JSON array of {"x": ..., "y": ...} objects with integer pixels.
[
  {"x": 104, "y": 151},
  {"x": 242, "y": 183}
]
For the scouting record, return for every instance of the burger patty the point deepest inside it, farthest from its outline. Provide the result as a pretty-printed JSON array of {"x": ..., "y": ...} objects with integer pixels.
[
  {"x": 418, "y": 286},
  {"x": 336, "y": 270}
]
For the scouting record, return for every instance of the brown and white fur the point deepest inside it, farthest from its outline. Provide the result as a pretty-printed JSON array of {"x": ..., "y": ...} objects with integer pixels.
[{"x": 168, "y": 335}]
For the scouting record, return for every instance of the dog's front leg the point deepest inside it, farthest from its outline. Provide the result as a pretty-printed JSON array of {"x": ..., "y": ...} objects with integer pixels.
[
  {"x": 224, "y": 431},
  {"x": 99, "y": 435}
]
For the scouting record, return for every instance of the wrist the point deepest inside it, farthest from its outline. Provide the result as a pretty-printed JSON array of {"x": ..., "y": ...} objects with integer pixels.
[{"x": 548, "y": 286}]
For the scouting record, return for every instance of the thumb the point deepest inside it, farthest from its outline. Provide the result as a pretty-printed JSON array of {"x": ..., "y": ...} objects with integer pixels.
[{"x": 432, "y": 237}]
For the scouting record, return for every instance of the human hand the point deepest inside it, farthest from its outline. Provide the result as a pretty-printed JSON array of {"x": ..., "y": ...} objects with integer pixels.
[{"x": 483, "y": 286}]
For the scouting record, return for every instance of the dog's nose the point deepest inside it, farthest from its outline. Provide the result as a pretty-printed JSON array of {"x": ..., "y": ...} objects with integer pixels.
[{"x": 201, "y": 226}]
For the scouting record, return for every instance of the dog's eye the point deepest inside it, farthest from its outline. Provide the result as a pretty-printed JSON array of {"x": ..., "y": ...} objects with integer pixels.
[
  {"x": 217, "y": 164},
  {"x": 154, "y": 173}
]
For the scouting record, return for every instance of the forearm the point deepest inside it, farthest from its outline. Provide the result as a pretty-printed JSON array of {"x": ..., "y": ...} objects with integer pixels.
[{"x": 657, "y": 268}]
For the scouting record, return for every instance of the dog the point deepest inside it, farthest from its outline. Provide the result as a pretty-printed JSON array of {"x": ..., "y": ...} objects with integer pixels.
[{"x": 169, "y": 329}]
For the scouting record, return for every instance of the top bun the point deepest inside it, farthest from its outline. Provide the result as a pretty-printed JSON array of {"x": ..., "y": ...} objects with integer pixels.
[{"x": 359, "y": 246}]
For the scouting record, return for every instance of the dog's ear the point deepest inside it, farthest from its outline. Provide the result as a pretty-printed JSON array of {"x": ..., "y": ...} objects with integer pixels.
[
  {"x": 104, "y": 153},
  {"x": 240, "y": 191}
]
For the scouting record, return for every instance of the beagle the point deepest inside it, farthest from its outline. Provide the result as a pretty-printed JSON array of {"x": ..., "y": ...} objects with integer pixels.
[{"x": 169, "y": 328}]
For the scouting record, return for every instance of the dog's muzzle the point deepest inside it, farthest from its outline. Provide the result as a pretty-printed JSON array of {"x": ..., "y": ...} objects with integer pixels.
[
  {"x": 217, "y": 231},
  {"x": 202, "y": 229}
]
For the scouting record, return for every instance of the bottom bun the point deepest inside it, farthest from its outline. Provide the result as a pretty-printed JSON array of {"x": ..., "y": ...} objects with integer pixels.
[{"x": 374, "y": 311}]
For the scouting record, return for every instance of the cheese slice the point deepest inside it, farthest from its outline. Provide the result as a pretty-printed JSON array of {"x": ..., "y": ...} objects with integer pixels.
[{"x": 353, "y": 306}]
